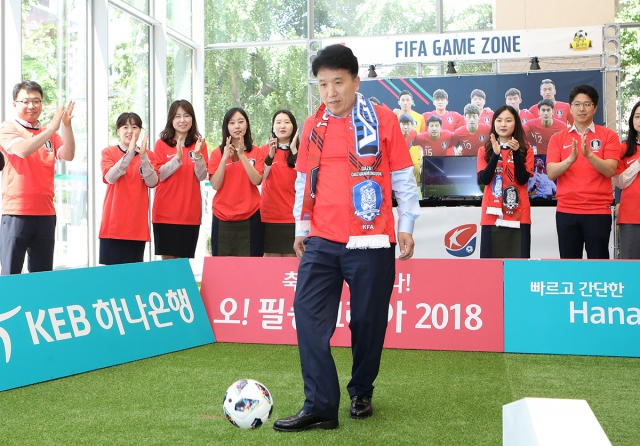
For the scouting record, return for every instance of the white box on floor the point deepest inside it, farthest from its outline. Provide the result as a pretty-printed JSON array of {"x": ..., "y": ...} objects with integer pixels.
[{"x": 551, "y": 422}]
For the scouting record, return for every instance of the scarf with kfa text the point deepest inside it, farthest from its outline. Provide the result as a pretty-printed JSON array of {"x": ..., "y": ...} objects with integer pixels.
[
  {"x": 367, "y": 174},
  {"x": 504, "y": 192}
]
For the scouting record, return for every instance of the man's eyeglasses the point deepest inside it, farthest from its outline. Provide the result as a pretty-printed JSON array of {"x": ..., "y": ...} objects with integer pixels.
[
  {"x": 582, "y": 104},
  {"x": 35, "y": 102}
]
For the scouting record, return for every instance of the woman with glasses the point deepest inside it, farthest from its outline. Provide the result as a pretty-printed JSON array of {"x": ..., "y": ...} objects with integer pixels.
[
  {"x": 181, "y": 155},
  {"x": 128, "y": 171},
  {"x": 278, "y": 186},
  {"x": 235, "y": 171},
  {"x": 625, "y": 179}
]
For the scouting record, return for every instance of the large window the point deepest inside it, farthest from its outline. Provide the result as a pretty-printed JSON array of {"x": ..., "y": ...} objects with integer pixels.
[
  {"x": 53, "y": 54},
  {"x": 128, "y": 69},
  {"x": 179, "y": 16},
  {"x": 179, "y": 72}
]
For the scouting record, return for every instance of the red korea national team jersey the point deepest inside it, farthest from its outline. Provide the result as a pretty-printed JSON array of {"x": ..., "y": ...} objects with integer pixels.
[
  {"x": 278, "y": 189},
  {"x": 538, "y": 135},
  {"x": 629, "y": 213},
  {"x": 526, "y": 116},
  {"x": 332, "y": 210},
  {"x": 470, "y": 143},
  {"x": 582, "y": 189},
  {"x": 485, "y": 118},
  {"x": 27, "y": 183},
  {"x": 178, "y": 200},
  {"x": 125, "y": 212},
  {"x": 434, "y": 148},
  {"x": 450, "y": 120},
  {"x": 238, "y": 198},
  {"x": 487, "y": 197},
  {"x": 561, "y": 112}
]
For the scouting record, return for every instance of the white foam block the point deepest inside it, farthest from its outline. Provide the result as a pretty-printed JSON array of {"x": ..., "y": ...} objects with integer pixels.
[{"x": 551, "y": 422}]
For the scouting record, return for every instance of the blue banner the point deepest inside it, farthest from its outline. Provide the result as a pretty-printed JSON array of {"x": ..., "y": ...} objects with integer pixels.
[
  {"x": 61, "y": 323},
  {"x": 578, "y": 307}
]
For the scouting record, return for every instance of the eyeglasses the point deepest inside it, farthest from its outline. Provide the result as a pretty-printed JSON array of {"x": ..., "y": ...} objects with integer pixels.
[
  {"x": 35, "y": 102},
  {"x": 582, "y": 104}
]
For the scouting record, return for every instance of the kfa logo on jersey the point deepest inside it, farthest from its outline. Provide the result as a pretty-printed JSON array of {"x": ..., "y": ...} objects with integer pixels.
[
  {"x": 595, "y": 145},
  {"x": 482, "y": 137},
  {"x": 449, "y": 119},
  {"x": 444, "y": 145},
  {"x": 48, "y": 146},
  {"x": 461, "y": 240}
]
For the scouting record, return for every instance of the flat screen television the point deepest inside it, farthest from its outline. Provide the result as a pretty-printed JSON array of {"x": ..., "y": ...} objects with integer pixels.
[{"x": 450, "y": 177}]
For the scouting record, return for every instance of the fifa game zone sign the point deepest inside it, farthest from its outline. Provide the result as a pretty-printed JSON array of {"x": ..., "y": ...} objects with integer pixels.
[
  {"x": 61, "y": 323},
  {"x": 435, "y": 304},
  {"x": 579, "y": 307},
  {"x": 482, "y": 45}
]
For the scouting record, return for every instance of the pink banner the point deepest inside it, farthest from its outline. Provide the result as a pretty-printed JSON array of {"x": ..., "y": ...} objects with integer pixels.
[{"x": 436, "y": 304}]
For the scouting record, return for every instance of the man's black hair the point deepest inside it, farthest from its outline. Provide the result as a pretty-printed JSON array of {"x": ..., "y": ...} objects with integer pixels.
[
  {"x": 336, "y": 57},
  {"x": 584, "y": 89}
]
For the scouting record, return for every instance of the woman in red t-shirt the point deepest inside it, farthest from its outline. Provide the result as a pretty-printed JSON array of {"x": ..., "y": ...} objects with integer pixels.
[
  {"x": 128, "y": 171},
  {"x": 278, "y": 186},
  {"x": 235, "y": 171},
  {"x": 625, "y": 179},
  {"x": 181, "y": 156},
  {"x": 505, "y": 164}
]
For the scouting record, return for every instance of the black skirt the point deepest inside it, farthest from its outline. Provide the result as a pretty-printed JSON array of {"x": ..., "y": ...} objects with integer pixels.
[
  {"x": 279, "y": 238},
  {"x": 115, "y": 252},
  {"x": 175, "y": 240}
]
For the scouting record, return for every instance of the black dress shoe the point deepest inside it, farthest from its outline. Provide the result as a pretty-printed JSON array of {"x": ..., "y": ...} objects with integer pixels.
[
  {"x": 303, "y": 421},
  {"x": 361, "y": 407}
]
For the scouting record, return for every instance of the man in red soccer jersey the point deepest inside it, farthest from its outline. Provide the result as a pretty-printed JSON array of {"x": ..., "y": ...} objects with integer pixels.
[
  {"x": 467, "y": 140},
  {"x": 583, "y": 158},
  {"x": 435, "y": 141},
  {"x": 561, "y": 110},
  {"x": 450, "y": 120},
  {"x": 407, "y": 125},
  {"x": 28, "y": 215},
  {"x": 513, "y": 97},
  {"x": 405, "y": 100},
  {"x": 352, "y": 155},
  {"x": 479, "y": 99},
  {"x": 540, "y": 130}
]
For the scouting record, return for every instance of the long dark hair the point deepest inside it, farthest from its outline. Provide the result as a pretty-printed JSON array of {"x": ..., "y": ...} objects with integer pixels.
[
  {"x": 168, "y": 135},
  {"x": 518, "y": 132},
  {"x": 248, "y": 139},
  {"x": 291, "y": 159},
  {"x": 632, "y": 136}
]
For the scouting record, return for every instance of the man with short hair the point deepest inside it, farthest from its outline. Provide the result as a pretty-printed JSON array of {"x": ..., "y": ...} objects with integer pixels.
[
  {"x": 562, "y": 110},
  {"x": 539, "y": 130},
  {"x": 451, "y": 120},
  {"x": 435, "y": 141},
  {"x": 351, "y": 155},
  {"x": 479, "y": 99},
  {"x": 583, "y": 158},
  {"x": 467, "y": 140},
  {"x": 513, "y": 97},
  {"x": 28, "y": 214},
  {"x": 405, "y": 100}
]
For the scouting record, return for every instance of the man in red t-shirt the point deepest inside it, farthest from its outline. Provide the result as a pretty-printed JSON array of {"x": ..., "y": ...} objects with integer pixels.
[
  {"x": 344, "y": 191},
  {"x": 479, "y": 99},
  {"x": 435, "y": 141},
  {"x": 561, "y": 110},
  {"x": 583, "y": 159},
  {"x": 28, "y": 215},
  {"x": 450, "y": 120},
  {"x": 467, "y": 140},
  {"x": 513, "y": 97},
  {"x": 539, "y": 130}
]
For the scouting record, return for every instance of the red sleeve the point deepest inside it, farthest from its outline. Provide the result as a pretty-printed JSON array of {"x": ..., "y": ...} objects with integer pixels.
[
  {"x": 214, "y": 161},
  {"x": 259, "y": 166},
  {"x": 528, "y": 162},
  {"x": 160, "y": 149},
  {"x": 56, "y": 140},
  {"x": 622, "y": 166},
  {"x": 303, "y": 150},
  {"x": 422, "y": 138},
  {"x": 395, "y": 145},
  {"x": 611, "y": 146},
  {"x": 107, "y": 161},
  {"x": 482, "y": 164},
  {"x": 554, "y": 147}
]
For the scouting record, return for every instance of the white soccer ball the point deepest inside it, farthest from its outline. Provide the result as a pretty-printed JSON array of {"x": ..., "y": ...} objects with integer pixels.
[{"x": 247, "y": 404}]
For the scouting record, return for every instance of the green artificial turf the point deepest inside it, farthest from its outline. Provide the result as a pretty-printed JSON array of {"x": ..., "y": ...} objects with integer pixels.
[{"x": 422, "y": 397}]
